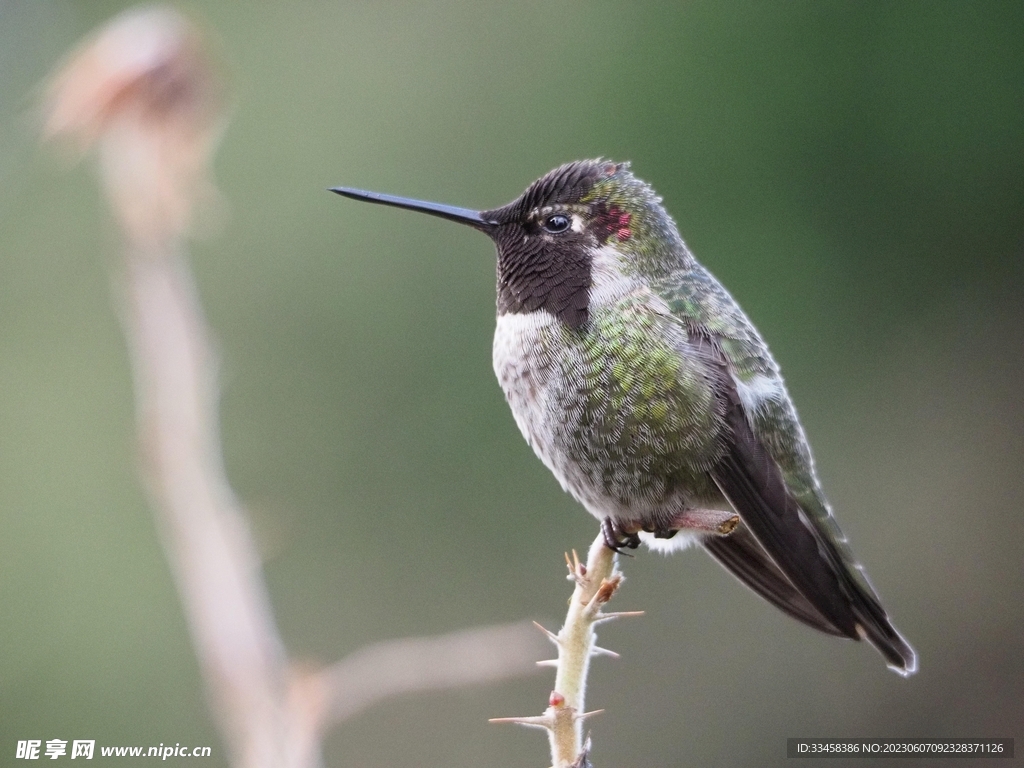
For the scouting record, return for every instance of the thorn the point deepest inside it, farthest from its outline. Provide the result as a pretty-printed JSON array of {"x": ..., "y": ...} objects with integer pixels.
[
  {"x": 550, "y": 635},
  {"x": 541, "y": 721},
  {"x": 586, "y": 715},
  {"x": 603, "y": 594},
  {"x": 577, "y": 570},
  {"x": 548, "y": 663},
  {"x": 603, "y": 617},
  {"x": 599, "y": 651},
  {"x": 608, "y": 587},
  {"x": 583, "y": 758}
]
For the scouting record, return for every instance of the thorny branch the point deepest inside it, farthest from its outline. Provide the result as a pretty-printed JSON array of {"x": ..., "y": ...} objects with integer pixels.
[{"x": 596, "y": 582}]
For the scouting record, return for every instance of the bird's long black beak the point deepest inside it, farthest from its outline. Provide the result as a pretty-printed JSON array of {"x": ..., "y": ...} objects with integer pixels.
[{"x": 472, "y": 218}]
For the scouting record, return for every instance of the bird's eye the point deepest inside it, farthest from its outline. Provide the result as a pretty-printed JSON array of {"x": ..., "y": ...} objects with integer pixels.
[{"x": 556, "y": 223}]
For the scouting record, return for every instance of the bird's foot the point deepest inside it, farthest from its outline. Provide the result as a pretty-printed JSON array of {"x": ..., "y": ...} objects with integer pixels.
[{"x": 616, "y": 536}]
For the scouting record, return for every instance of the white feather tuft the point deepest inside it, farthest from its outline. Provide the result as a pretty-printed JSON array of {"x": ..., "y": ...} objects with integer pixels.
[
  {"x": 677, "y": 543},
  {"x": 759, "y": 389}
]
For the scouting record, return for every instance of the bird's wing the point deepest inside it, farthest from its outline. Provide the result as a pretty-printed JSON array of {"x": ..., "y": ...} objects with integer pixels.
[
  {"x": 741, "y": 555},
  {"x": 766, "y": 472}
]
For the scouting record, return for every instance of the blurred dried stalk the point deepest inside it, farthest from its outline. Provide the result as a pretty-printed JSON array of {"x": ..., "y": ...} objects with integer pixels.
[{"x": 145, "y": 91}]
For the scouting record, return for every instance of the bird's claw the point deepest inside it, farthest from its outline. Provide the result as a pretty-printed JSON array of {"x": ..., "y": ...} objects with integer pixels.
[{"x": 615, "y": 537}]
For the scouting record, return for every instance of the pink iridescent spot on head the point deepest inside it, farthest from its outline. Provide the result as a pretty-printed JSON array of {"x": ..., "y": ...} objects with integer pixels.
[
  {"x": 612, "y": 221},
  {"x": 620, "y": 223}
]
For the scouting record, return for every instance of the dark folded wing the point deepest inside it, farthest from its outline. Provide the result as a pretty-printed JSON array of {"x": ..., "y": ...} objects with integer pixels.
[
  {"x": 740, "y": 553},
  {"x": 754, "y": 485}
]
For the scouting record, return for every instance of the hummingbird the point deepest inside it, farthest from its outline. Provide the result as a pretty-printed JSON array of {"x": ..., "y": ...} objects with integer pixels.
[{"x": 644, "y": 388}]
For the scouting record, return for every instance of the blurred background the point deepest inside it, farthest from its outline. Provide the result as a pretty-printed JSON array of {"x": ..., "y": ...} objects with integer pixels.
[{"x": 853, "y": 173}]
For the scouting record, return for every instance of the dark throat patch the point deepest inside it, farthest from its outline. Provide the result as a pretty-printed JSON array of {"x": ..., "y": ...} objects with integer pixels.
[
  {"x": 540, "y": 270},
  {"x": 537, "y": 273}
]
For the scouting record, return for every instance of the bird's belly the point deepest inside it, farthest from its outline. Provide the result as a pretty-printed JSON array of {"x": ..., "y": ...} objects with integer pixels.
[
  {"x": 617, "y": 442},
  {"x": 525, "y": 362}
]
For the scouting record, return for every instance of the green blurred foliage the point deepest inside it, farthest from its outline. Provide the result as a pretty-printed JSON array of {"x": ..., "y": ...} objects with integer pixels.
[{"x": 853, "y": 172}]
